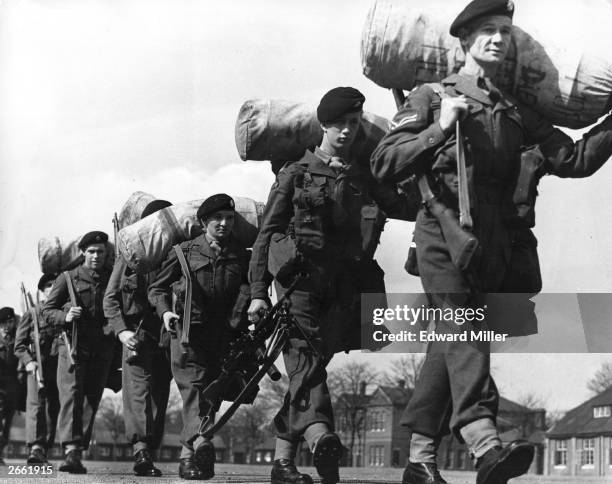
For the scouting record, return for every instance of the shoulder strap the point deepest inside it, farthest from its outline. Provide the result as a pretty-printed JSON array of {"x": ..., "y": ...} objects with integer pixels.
[
  {"x": 188, "y": 293},
  {"x": 74, "y": 303},
  {"x": 73, "y": 299}
]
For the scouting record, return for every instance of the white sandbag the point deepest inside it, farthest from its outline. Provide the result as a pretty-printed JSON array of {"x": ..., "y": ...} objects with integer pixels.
[
  {"x": 559, "y": 62},
  {"x": 133, "y": 207},
  {"x": 278, "y": 130},
  {"x": 56, "y": 256},
  {"x": 145, "y": 244}
]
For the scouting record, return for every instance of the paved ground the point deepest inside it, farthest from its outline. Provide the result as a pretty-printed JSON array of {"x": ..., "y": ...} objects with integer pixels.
[{"x": 120, "y": 472}]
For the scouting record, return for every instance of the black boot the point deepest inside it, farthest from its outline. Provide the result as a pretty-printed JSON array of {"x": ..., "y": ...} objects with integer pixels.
[
  {"x": 498, "y": 465},
  {"x": 285, "y": 472},
  {"x": 204, "y": 456},
  {"x": 72, "y": 463},
  {"x": 326, "y": 458},
  {"x": 143, "y": 464},
  {"x": 189, "y": 470},
  {"x": 37, "y": 456},
  {"x": 422, "y": 473}
]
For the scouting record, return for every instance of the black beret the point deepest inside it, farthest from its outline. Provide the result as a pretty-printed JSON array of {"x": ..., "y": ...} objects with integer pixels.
[
  {"x": 95, "y": 237},
  {"x": 6, "y": 313},
  {"x": 213, "y": 204},
  {"x": 44, "y": 279},
  {"x": 481, "y": 8},
  {"x": 339, "y": 101},
  {"x": 154, "y": 206}
]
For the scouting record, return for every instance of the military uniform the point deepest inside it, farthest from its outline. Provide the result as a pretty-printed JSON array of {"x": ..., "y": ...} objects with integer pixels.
[
  {"x": 94, "y": 351},
  {"x": 455, "y": 379},
  {"x": 42, "y": 406},
  {"x": 217, "y": 281},
  {"x": 341, "y": 271},
  {"x": 146, "y": 380},
  {"x": 9, "y": 386}
]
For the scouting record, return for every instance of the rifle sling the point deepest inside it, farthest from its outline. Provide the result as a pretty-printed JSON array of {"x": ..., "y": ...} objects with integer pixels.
[
  {"x": 188, "y": 294},
  {"x": 73, "y": 301}
]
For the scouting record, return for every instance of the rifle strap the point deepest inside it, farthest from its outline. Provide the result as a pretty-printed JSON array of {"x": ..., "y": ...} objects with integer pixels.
[
  {"x": 73, "y": 301},
  {"x": 188, "y": 294}
]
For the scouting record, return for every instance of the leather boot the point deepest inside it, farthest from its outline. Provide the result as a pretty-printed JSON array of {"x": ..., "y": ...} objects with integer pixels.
[
  {"x": 189, "y": 470},
  {"x": 326, "y": 457},
  {"x": 204, "y": 456},
  {"x": 143, "y": 464},
  {"x": 422, "y": 473},
  {"x": 285, "y": 472},
  {"x": 72, "y": 463},
  {"x": 498, "y": 464}
]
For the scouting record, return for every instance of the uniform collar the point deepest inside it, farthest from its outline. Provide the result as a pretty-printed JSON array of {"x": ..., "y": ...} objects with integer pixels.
[
  {"x": 88, "y": 274},
  {"x": 318, "y": 164},
  {"x": 468, "y": 85}
]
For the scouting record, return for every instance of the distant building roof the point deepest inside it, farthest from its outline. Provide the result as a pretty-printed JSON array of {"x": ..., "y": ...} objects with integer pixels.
[
  {"x": 399, "y": 396},
  {"x": 506, "y": 405},
  {"x": 580, "y": 421}
]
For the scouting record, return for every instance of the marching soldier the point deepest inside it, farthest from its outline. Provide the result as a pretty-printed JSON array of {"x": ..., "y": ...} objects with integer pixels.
[
  {"x": 8, "y": 375},
  {"x": 42, "y": 405},
  {"x": 146, "y": 369},
  {"x": 323, "y": 209},
  {"x": 455, "y": 383},
  {"x": 86, "y": 351},
  {"x": 215, "y": 265}
]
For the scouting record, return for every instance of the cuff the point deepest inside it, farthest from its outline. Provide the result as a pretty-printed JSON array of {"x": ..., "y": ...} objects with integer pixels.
[{"x": 259, "y": 290}]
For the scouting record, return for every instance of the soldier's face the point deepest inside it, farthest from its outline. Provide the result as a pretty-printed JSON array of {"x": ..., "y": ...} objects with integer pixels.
[
  {"x": 341, "y": 132},
  {"x": 219, "y": 225},
  {"x": 6, "y": 327},
  {"x": 95, "y": 256},
  {"x": 489, "y": 40}
]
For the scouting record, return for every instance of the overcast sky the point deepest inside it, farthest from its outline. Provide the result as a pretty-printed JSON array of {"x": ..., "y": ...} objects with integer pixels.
[{"x": 103, "y": 98}]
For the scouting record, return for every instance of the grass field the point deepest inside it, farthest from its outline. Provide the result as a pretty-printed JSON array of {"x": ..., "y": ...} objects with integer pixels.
[{"x": 121, "y": 472}]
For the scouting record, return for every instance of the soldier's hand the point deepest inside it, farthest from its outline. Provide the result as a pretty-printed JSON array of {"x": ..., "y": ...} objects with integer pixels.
[
  {"x": 31, "y": 366},
  {"x": 74, "y": 313},
  {"x": 257, "y": 306},
  {"x": 169, "y": 319},
  {"x": 452, "y": 109},
  {"x": 128, "y": 339}
]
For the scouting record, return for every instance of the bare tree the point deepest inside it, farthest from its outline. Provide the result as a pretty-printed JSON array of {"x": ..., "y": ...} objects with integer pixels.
[
  {"x": 532, "y": 401},
  {"x": 347, "y": 385},
  {"x": 406, "y": 368},
  {"x": 602, "y": 379}
]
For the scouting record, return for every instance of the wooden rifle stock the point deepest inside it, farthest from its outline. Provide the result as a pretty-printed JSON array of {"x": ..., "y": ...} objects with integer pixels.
[{"x": 29, "y": 304}]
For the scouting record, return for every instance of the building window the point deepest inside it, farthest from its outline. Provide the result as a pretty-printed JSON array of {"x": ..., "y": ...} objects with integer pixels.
[
  {"x": 587, "y": 452},
  {"x": 560, "y": 453},
  {"x": 166, "y": 453},
  {"x": 377, "y": 456},
  {"x": 104, "y": 451},
  {"x": 603, "y": 411},
  {"x": 377, "y": 421},
  {"x": 395, "y": 458}
]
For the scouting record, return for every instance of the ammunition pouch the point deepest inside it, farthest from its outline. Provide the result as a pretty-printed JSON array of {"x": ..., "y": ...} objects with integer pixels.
[
  {"x": 311, "y": 215},
  {"x": 519, "y": 204},
  {"x": 373, "y": 221}
]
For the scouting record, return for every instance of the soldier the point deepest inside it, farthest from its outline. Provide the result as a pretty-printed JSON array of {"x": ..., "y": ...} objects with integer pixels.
[
  {"x": 455, "y": 382},
  {"x": 8, "y": 375},
  {"x": 217, "y": 265},
  {"x": 92, "y": 343},
  {"x": 322, "y": 209},
  {"x": 146, "y": 369},
  {"x": 42, "y": 405}
]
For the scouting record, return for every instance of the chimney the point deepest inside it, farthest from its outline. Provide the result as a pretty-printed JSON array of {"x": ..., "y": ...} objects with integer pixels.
[
  {"x": 362, "y": 387},
  {"x": 401, "y": 383}
]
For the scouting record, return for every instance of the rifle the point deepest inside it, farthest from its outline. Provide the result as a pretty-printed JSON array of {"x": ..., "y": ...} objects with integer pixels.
[
  {"x": 250, "y": 347},
  {"x": 186, "y": 325},
  {"x": 115, "y": 231},
  {"x": 29, "y": 305},
  {"x": 461, "y": 243},
  {"x": 72, "y": 350}
]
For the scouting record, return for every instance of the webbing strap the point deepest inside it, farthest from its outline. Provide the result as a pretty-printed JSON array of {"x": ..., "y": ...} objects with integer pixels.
[{"x": 188, "y": 294}]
